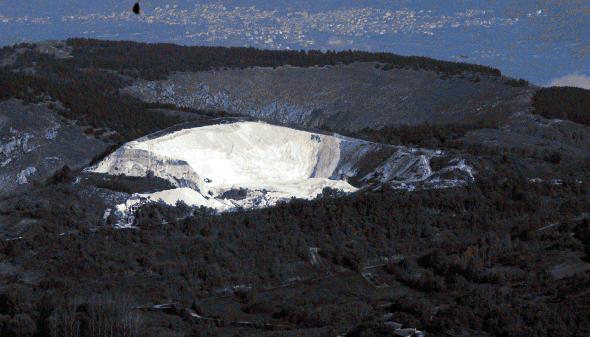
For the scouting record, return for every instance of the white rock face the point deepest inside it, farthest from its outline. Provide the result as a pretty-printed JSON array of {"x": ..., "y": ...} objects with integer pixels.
[
  {"x": 271, "y": 162},
  {"x": 254, "y": 164},
  {"x": 190, "y": 197}
]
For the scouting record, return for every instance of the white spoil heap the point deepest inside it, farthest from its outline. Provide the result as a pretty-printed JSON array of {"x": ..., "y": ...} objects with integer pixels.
[
  {"x": 272, "y": 162},
  {"x": 254, "y": 164}
]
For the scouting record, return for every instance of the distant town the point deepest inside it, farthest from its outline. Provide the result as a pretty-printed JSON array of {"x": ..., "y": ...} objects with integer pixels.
[
  {"x": 286, "y": 29},
  {"x": 503, "y": 35}
]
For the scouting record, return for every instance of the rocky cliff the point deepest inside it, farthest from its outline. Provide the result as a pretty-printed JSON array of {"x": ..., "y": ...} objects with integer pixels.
[
  {"x": 342, "y": 97},
  {"x": 269, "y": 163}
]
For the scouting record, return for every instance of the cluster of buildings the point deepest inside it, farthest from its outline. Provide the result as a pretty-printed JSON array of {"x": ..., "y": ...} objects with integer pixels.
[{"x": 286, "y": 28}]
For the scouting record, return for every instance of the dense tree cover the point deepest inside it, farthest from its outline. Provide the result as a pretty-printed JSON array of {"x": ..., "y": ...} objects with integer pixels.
[
  {"x": 424, "y": 135},
  {"x": 90, "y": 96},
  {"x": 517, "y": 83},
  {"x": 472, "y": 261},
  {"x": 154, "y": 61},
  {"x": 564, "y": 103},
  {"x": 88, "y": 85},
  {"x": 123, "y": 183}
]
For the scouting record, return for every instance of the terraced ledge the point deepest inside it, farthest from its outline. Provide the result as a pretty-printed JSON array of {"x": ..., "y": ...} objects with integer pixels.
[{"x": 268, "y": 164}]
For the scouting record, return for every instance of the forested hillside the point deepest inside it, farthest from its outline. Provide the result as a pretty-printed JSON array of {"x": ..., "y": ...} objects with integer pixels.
[
  {"x": 88, "y": 84},
  {"x": 505, "y": 255},
  {"x": 563, "y": 103},
  {"x": 154, "y": 61},
  {"x": 480, "y": 260}
]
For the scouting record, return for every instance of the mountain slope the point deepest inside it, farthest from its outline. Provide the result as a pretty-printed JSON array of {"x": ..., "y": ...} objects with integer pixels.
[
  {"x": 503, "y": 254},
  {"x": 240, "y": 164},
  {"x": 342, "y": 97},
  {"x": 35, "y": 142}
]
